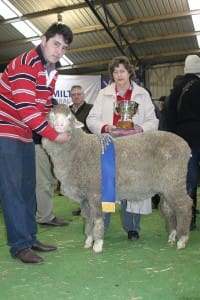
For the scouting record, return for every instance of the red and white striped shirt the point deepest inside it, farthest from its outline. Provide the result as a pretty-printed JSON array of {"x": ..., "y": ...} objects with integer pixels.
[{"x": 26, "y": 97}]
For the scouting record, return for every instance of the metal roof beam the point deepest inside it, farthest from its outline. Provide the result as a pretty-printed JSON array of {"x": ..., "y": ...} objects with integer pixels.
[
  {"x": 106, "y": 45},
  {"x": 96, "y": 27},
  {"x": 91, "y": 5},
  {"x": 120, "y": 33},
  {"x": 141, "y": 58},
  {"x": 47, "y": 12}
]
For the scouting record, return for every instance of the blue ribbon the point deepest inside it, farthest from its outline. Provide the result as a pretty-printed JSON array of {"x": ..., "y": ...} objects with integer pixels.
[{"x": 108, "y": 173}]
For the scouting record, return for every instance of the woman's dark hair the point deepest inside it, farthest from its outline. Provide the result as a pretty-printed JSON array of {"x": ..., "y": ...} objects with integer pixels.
[
  {"x": 125, "y": 62},
  {"x": 59, "y": 28}
]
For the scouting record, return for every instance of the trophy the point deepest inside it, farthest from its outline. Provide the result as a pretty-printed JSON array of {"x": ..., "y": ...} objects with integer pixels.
[{"x": 125, "y": 109}]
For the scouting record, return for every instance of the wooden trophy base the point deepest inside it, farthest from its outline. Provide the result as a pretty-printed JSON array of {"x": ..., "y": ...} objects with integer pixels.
[{"x": 125, "y": 124}]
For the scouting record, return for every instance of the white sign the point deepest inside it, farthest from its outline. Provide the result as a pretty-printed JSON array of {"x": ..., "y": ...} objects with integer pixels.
[{"x": 91, "y": 85}]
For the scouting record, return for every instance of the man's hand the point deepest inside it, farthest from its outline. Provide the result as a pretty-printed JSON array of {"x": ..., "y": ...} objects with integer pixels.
[{"x": 62, "y": 138}]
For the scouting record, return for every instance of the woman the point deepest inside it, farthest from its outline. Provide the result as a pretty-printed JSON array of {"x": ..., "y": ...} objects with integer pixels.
[{"x": 102, "y": 119}]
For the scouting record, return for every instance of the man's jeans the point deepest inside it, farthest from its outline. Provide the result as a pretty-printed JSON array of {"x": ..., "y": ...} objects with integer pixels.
[{"x": 17, "y": 193}]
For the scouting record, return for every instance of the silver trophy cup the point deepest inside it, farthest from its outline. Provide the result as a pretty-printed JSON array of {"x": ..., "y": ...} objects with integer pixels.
[{"x": 126, "y": 110}]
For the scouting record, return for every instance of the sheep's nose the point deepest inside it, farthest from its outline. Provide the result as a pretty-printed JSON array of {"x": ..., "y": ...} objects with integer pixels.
[{"x": 58, "y": 123}]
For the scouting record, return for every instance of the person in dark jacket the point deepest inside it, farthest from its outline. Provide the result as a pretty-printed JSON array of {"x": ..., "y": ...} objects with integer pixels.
[
  {"x": 79, "y": 107},
  {"x": 45, "y": 185},
  {"x": 183, "y": 118}
]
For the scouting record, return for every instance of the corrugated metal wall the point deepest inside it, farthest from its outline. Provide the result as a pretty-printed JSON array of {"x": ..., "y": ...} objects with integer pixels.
[{"x": 159, "y": 78}]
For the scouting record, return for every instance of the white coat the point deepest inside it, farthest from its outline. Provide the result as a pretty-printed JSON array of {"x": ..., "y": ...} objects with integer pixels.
[{"x": 102, "y": 114}]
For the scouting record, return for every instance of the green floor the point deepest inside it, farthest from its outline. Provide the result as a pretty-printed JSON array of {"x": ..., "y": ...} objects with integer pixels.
[{"x": 147, "y": 269}]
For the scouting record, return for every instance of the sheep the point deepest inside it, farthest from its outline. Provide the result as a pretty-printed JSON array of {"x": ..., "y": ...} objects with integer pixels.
[{"x": 149, "y": 163}]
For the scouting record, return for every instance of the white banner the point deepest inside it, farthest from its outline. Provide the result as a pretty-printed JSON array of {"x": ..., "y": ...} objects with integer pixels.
[{"x": 90, "y": 84}]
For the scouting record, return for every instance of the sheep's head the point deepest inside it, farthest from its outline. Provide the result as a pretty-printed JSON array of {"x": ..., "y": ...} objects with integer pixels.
[{"x": 62, "y": 120}]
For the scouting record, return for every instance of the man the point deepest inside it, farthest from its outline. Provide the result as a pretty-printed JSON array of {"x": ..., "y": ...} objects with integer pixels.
[
  {"x": 80, "y": 109},
  {"x": 183, "y": 118},
  {"x": 45, "y": 185},
  {"x": 26, "y": 90}
]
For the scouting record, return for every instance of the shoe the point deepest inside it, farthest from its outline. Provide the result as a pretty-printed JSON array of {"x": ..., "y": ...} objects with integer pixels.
[
  {"x": 55, "y": 222},
  {"x": 38, "y": 246},
  {"x": 28, "y": 256},
  {"x": 133, "y": 235},
  {"x": 76, "y": 212}
]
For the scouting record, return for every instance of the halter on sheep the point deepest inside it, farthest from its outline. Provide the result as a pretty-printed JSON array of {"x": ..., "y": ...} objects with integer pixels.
[{"x": 77, "y": 166}]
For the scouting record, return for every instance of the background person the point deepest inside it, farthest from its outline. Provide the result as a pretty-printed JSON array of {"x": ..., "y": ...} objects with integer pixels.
[
  {"x": 80, "y": 109},
  {"x": 183, "y": 117},
  {"x": 45, "y": 187},
  {"x": 26, "y": 91},
  {"x": 102, "y": 119}
]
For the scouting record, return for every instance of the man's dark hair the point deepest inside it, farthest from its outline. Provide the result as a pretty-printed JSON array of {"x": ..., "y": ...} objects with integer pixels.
[{"x": 59, "y": 28}]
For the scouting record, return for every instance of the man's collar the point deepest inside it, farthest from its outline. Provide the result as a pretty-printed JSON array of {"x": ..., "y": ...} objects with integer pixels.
[{"x": 75, "y": 108}]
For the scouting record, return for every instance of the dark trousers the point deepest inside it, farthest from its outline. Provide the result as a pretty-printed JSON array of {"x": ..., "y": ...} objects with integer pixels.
[
  {"x": 17, "y": 193},
  {"x": 193, "y": 169},
  {"x": 131, "y": 221},
  {"x": 192, "y": 181}
]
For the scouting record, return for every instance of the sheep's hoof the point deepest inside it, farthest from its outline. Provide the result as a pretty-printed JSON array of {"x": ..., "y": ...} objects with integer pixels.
[
  {"x": 181, "y": 244},
  {"x": 172, "y": 237},
  {"x": 88, "y": 242},
  {"x": 98, "y": 246}
]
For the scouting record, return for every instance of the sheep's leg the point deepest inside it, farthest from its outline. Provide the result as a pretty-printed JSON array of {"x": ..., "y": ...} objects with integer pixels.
[
  {"x": 86, "y": 213},
  {"x": 94, "y": 234},
  {"x": 89, "y": 234},
  {"x": 94, "y": 227},
  {"x": 98, "y": 233},
  {"x": 183, "y": 210},
  {"x": 88, "y": 242},
  {"x": 170, "y": 217}
]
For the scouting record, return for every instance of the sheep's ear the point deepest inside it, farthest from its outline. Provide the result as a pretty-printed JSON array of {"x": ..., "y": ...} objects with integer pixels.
[
  {"x": 51, "y": 117},
  {"x": 78, "y": 124}
]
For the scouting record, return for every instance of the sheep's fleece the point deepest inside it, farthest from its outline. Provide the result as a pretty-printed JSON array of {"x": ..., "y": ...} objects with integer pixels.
[{"x": 146, "y": 164}]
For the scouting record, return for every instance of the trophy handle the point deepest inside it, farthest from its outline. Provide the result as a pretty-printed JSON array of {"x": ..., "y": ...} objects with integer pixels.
[
  {"x": 116, "y": 108},
  {"x": 135, "y": 108}
]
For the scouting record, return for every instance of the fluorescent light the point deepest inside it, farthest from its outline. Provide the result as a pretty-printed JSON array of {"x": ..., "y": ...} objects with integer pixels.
[
  {"x": 36, "y": 42},
  {"x": 65, "y": 61},
  {"x": 25, "y": 29},
  {"x": 8, "y": 10},
  {"x": 194, "y": 4},
  {"x": 196, "y": 22},
  {"x": 198, "y": 40}
]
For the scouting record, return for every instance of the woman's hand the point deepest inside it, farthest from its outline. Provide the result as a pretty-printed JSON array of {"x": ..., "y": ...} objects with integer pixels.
[
  {"x": 109, "y": 128},
  {"x": 124, "y": 132}
]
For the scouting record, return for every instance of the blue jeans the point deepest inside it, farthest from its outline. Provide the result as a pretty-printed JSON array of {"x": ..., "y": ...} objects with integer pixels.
[
  {"x": 131, "y": 221},
  {"x": 193, "y": 169},
  {"x": 17, "y": 193}
]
